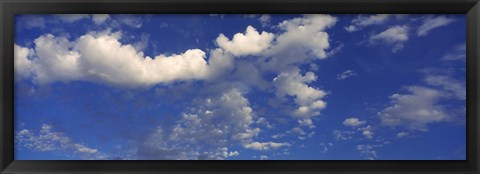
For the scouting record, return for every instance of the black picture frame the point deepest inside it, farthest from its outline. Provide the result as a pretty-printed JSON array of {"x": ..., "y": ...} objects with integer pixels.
[{"x": 8, "y": 8}]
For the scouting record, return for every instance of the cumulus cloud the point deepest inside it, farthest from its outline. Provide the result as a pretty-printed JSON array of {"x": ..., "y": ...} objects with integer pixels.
[
  {"x": 249, "y": 43},
  {"x": 101, "y": 57},
  {"x": 265, "y": 145},
  {"x": 49, "y": 140},
  {"x": 353, "y": 122},
  {"x": 362, "y": 21},
  {"x": 394, "y": 36},
  {"x": 432, "y": 23},
  {"x": 416, "y": 109},
  {"x": 226, "y": 118},
  {"x": 308, "y": 99},
  {"x": 346, "y": 74},
  {"x": 308, "y": 32},
  {"x": 304, "y": 39}
]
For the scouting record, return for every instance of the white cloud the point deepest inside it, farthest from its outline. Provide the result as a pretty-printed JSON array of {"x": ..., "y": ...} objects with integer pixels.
[
  {"x": 249, "y": 43},
  {"x": 213, "y": 123},
  {"x": 342, "y": 135},
  {"x": 363, "y": 21},
  {"x": 130, "y": 20},
  {"x": 353, "y": 122},
  {"x": 450, "y": 85},
  {"x": 346, "y": 74},
  {"x": 265, "y": 145},
  {"x": 232, "y": 154},
  {"x": 55, "y": 60},
  {"x": 302, "y": 41},
  {"x": 368, "y": 151},
  {"x": 402, "y": 134},
  {"x": 307, "y": 32},
  {"x": 100, "y": 18},
  {"x": 324, "y": 147},
  {"x": 367, "y": 132},
  {"x": 306, "y": 122},
  {"x": 104, "y": 54},
  {"x": 415, "y": 110},
  {"x": 298, "y": 131},
  {"x": 265, "y": 19},
  {"x": 70, "y": 18},
  {"x": 99, "y": 56},
  {"x": 432, "y": 23},
  {"x": 308, "y": 99},
  {"x": 48, "y": 140},
  {"x": 395, "y": 36},
  {"x": 460, "y": 53},
  {"x": 22, "y": 63},
  {"x": 31, "y": 21},
  {"x": 278, "y": 136}
]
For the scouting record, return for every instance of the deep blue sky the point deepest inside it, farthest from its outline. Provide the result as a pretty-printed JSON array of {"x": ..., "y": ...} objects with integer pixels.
[{"x": 323, "y": 87}]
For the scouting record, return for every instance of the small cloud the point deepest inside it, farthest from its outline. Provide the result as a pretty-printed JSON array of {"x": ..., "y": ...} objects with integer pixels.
[
  {"x": 265, "y": 20},
  {"x": 346, "y": 74},
  {"x": 402, "y": 134},
  {"x": 342, "y": 135},
  {"x": 249, "y": 43},
  {"x": 265, "y": 145},
  {"x": 217, "y": 15},
  {"x": 263, "y": 157},
  {"x": 353, "y": 122},
  {"x": 232, "y": 154},
  {"x": 460, "y": 53},
  {"x": 324, "y": 147},
  {"x": 362, "y": 21},
  {"x": 394, "y": 36}
]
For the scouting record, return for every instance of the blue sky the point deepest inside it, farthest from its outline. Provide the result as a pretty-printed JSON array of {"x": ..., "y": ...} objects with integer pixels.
[{"x": 240, "y": 87}]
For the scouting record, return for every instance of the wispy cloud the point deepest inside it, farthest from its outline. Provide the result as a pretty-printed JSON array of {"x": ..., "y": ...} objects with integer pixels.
[
  {"x": 346, "y": 74},
  {"x": 432, "y": 23},
  {"x": 363, "y": 20}
]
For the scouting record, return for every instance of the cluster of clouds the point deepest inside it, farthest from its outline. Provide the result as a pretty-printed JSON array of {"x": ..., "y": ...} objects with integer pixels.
[
  {"x": 224, "y": 118},
  {"x": 396, "y": 36},
  {"x": 209, "y": 127},
  {"x": 355, "y": 125},
  {"x": 415, "y": 108},
  {"x": 49, "y": 140}
]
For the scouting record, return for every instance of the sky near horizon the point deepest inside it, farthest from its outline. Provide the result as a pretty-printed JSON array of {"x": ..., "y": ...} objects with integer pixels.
[{"x": 240, "y": 87}]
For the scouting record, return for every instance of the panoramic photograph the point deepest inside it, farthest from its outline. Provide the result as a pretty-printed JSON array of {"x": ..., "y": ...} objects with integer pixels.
[{"x": 240, "y": 87}]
